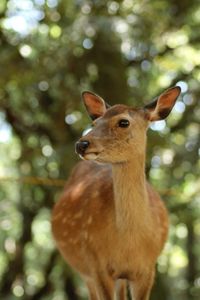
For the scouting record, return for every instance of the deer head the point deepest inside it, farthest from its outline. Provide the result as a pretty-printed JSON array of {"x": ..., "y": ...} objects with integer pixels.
[{"x": 119, "y": 132}]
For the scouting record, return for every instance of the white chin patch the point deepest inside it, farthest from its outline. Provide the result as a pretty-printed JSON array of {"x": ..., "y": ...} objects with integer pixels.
[
  {"x": 90, "y": 156},
  {"x": 81, "y": 156}
]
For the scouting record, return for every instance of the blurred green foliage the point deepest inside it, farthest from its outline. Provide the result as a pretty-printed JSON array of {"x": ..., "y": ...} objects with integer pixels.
[{"x": 127, "y": 51}]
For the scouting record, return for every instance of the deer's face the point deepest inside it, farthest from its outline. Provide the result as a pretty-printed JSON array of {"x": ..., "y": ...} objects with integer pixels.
[
  {"x": 119, "y": 132},
  {"x": 117, "y": 136}
]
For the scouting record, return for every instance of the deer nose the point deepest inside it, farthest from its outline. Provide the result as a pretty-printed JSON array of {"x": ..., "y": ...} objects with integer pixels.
[{"x": 81, "y": 146}]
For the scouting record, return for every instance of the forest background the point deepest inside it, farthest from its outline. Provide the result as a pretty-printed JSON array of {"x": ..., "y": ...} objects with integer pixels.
[{"x": 128, "y": 52}]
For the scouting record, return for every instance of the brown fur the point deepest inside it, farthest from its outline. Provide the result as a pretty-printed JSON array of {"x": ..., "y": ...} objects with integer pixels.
[
  {"x": 85, "y": 231},
  {"x": 110, "y": 225}
]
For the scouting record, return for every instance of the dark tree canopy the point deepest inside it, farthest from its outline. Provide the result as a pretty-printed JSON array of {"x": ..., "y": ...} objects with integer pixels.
[{"x": 127, "y": 52}]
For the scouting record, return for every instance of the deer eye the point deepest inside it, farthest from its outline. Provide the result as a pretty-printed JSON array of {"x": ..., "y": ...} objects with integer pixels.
[{"x": 124, "y": 123}]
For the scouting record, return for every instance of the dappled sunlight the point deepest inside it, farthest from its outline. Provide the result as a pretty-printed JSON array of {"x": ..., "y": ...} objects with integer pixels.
[
  {"x": 77, "y": 190},
  {"x": 129, "y": 52},
  {"x": 178, "y": 260}
]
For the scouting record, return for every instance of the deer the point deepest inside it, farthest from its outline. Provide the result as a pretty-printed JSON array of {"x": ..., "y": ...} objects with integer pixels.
[{"x": 109, "y": 224}]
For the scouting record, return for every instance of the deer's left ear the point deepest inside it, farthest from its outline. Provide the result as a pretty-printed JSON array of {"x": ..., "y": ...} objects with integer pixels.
[{"x": 161, "y": 107}]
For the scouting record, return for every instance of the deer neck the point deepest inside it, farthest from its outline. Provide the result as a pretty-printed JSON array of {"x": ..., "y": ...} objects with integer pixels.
[{"x": 131, "y": 200}]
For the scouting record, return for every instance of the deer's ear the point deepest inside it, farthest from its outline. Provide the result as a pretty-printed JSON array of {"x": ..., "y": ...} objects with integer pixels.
[
  {"x": 94, "y": 104},
  {"x": 161, "y": 107}
]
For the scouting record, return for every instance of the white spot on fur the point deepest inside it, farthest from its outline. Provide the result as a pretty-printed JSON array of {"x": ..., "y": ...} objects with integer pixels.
[
  {"x": 57, "y": 216},
  {"x": 64, "y": 220},
  {"x": 61, "y": 243},
  {"x": 89, "y": 221},
  {"x": 95, "y": 194},
  {"x": 85, "y": 234},
  {"x": 78, "y": 215},
  {"x": 63, "y": 204},
  {"x": 75, "y": 241}
]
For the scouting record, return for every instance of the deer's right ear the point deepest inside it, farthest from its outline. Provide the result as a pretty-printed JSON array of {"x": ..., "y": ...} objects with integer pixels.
[{"x": 94, "y": 104}]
